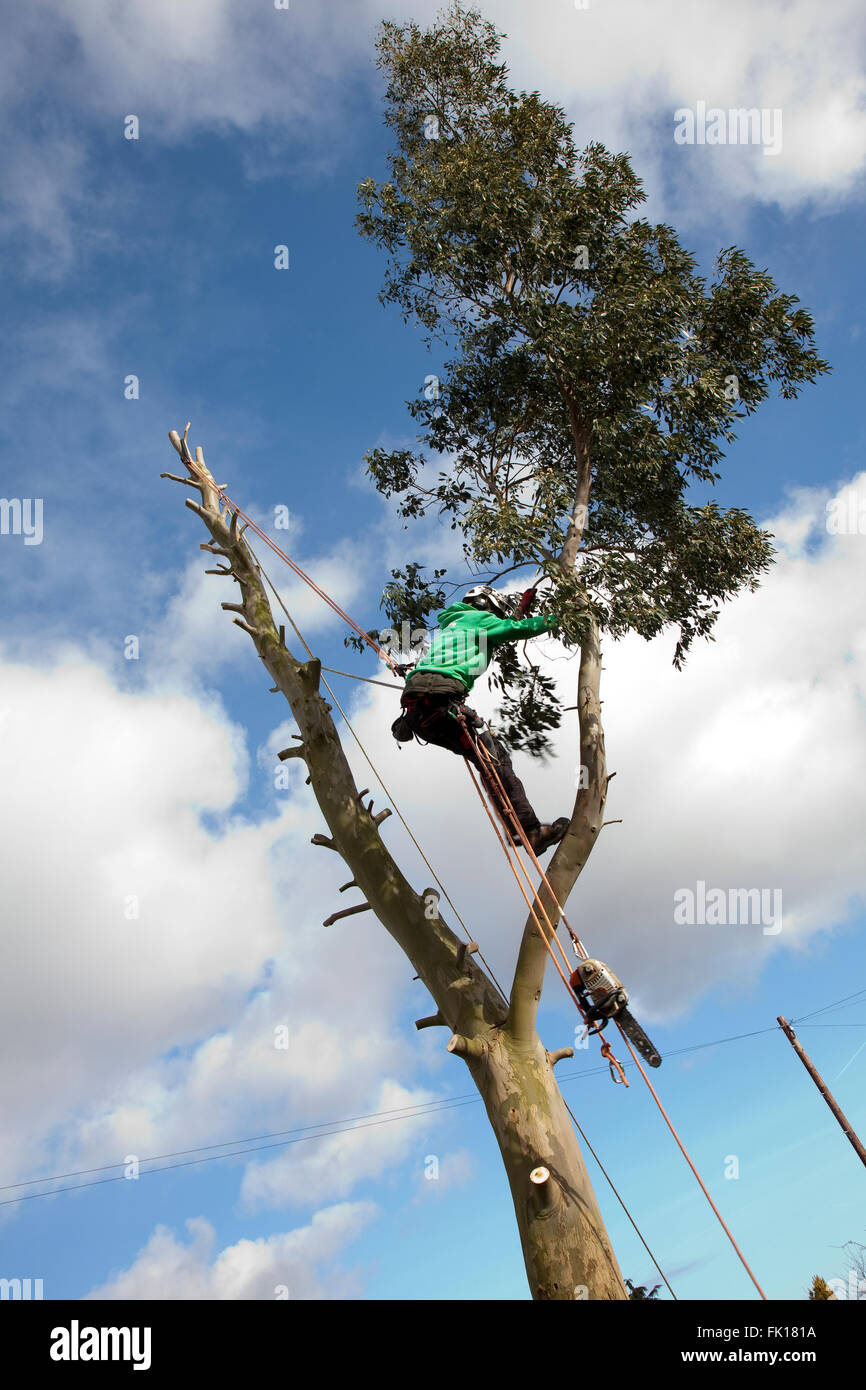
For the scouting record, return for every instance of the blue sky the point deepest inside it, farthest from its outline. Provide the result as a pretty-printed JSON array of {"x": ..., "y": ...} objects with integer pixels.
[{"x": 154, "y": 778}]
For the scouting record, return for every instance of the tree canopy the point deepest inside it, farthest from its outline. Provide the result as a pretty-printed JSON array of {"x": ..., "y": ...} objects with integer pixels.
[{"x": 595, "y": 376}]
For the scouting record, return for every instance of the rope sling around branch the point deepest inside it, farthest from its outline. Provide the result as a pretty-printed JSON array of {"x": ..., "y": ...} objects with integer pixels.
[{"x": 483, "y": 754}]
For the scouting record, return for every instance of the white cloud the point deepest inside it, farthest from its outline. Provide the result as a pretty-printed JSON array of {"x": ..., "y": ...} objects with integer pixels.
[
  {"x": 152, "y": 1033},
  {"x": 287, "y": 1265},
  {"x": 100, "y": 823},
  {"x": 334, "y": 1165},
  {"x": 443, "y": 1173},
  {"x": 195, "y": 638},
  {"x": 280, "y": 76}
]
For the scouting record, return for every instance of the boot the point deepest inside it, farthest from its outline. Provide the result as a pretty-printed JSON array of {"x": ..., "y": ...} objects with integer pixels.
[{"x": 548, "y": 835}]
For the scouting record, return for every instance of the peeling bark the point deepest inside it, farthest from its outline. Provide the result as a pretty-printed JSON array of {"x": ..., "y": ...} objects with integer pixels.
[{"x": 565, "y": 1246}]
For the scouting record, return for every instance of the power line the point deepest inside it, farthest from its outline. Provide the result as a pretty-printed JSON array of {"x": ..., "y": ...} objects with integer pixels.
[
  {"x": 404, "y": 1111},
  {"x": 326, "y": 1127},
  {"x": 825, "y": 1008},
  {"x": 211, "y": 1158}
]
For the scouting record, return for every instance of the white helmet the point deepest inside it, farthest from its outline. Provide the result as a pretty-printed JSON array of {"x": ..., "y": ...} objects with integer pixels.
[{"x": 488, "y": 600}]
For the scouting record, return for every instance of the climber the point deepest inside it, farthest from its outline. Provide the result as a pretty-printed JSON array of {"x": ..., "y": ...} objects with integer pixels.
[{"x": 433, "y": 698}]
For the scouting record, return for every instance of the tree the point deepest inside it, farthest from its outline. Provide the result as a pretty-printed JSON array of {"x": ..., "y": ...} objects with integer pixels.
[
  {"x": 595, "y": 373},
  {"x": 820, "y": 1290},
  {"x": 856, "y": 1253},
  {"x": 638, "y": 1293}
]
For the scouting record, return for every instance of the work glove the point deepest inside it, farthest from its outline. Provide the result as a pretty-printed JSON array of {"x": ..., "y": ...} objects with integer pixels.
[{"x": 526, "y": 604}]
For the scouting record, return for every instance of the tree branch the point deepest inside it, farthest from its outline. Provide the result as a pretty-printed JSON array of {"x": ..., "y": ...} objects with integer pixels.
[
  {"x": 573, "y": 851},
  {"x": 583, "y": 484}
]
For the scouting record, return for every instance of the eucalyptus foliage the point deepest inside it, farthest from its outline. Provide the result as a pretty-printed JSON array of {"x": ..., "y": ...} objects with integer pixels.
[{"x": 595, "y": 375}]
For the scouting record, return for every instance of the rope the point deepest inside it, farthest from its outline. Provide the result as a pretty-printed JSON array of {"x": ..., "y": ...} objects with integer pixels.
[
  {"x": 302, "y": 574},
  {"x": 386, "y": 685},
  {"x": 685, "y": 1155},
  {"x": 617, "y": 1071},
  {"x": 579, "y": 947},
  {"x": 610, "y": 1184},
  {"x": 502, "y": 792}
]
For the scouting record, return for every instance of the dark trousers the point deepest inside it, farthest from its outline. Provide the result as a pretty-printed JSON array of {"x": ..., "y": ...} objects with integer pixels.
[{"x": 432, "y": 704}]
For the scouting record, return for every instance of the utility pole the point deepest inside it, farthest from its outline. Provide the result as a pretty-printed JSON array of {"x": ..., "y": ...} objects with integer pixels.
[{"x": 818, "y": 1080}]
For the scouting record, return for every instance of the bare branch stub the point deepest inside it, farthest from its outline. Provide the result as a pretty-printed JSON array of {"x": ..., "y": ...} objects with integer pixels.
[
  {"x": 471, "y": 1008},
  {"x": 323, "y": 841},
  {"x": 559, "y": 1055},
  {"x": 187, "y": 482},
  {"x": 466, "y": 1047},
  {"x": 465, "y": 948},
  {"x": 345, "y": 912}
]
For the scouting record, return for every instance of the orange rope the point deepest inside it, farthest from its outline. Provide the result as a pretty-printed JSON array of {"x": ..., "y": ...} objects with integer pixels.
[
  {"x": 516, "y": 861},
  {"x": 606, "y": 1051},
  {"x": 578, "y": 944},
  {"x": 685, "y": 1155},
  {"x": 529, "y": 904}
]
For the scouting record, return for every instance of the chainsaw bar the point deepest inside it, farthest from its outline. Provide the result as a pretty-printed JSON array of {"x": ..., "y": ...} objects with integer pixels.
[{"x": 636, "y": 1034}]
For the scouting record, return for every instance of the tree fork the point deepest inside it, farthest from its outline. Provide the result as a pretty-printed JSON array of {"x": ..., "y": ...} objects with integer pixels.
[{"x": 567, "y": 1249}]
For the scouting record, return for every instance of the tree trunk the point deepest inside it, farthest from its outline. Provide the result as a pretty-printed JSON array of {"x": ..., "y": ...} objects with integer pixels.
[{"x": 566, "y": 1248}]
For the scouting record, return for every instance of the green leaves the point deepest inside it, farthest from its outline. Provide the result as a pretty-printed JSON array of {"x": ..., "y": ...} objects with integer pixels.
[
  {"x": 411, "y": 597},
  {"x": 528, "y": 711}
]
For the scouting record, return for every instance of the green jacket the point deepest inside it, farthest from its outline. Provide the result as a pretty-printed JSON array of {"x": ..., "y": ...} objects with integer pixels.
[{"x": 466, "y": 638}]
